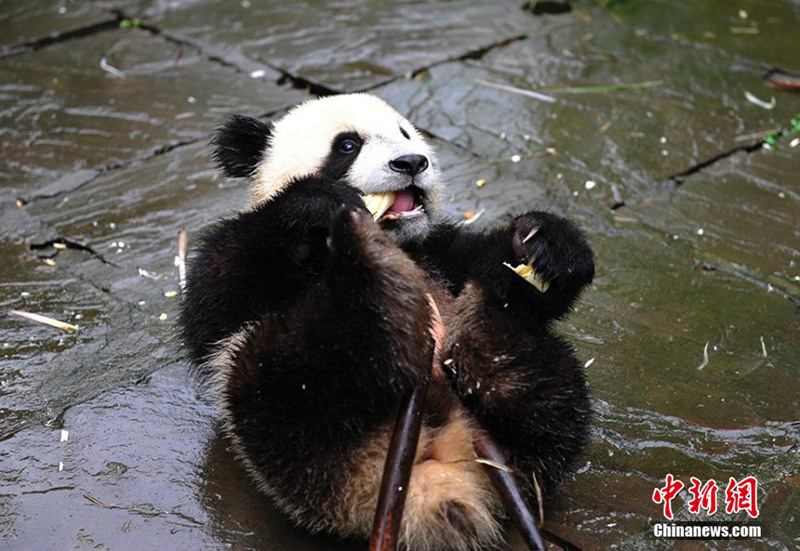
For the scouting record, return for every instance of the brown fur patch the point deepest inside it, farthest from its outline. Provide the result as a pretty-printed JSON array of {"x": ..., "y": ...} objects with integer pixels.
[{"x": 450, "y": 502}]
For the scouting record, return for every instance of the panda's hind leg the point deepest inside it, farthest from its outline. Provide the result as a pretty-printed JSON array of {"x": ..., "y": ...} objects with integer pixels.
[
  {"x": 451, "y": 503},
  {"x": 525, "y": 387}
]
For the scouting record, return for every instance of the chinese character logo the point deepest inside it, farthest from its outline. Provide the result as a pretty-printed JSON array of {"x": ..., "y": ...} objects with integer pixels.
[
  {"x": 703, "y": 497},
  {"x": 742, "y": 496},
  {"x": 739, "y": 496},
  {"x": 666, "y": 494}
]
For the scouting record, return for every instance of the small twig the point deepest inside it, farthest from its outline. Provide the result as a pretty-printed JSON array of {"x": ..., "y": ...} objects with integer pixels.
[
  {"x": 94, "y": 500},
  {"x": 538, "y": 490},
  {"x": 397, "y": 473},
  {"x": 603, "y": 88},
  {"x": 768, "y": 105},
  {"x": 110, "y": 69},
  {"x": 402, "y": 450},
  {"x": 494, "y": 465},
  {"x": 180, "y": 259},
  {"x": 784, "y": 82},
  {"x": 705, "y": 358},
  {"x": 509, "y": 491},
  {"x": 45, "y": 320},
  {"x": 515, "y": 90}
]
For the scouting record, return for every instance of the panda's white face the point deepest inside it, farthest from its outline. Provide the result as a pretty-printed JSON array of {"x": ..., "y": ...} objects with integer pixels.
[{"x": 362, "y": 140}]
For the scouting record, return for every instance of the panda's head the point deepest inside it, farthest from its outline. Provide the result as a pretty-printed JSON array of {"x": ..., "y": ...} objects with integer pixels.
[{"x": 357, "y": 138}]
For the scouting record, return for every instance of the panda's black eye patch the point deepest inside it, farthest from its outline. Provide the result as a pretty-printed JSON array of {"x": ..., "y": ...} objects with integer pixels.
[
  {"x": 344, "y": 151},
  {"x": 347, "y": 143},
  {"x": 404, "y": 133}
]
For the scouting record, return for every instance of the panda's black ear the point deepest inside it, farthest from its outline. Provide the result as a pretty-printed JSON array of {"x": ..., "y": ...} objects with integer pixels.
[{"x": 239, "y": 145}]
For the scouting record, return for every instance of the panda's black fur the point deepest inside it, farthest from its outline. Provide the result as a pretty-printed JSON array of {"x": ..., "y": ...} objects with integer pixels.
[{"x": 313, "y": 324}]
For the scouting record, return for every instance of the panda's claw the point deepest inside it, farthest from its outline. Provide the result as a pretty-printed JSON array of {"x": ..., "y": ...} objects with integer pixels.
[{"x": 554, "y": 249}]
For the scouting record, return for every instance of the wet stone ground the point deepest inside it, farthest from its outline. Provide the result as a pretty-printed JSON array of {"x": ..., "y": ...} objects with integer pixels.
[{"x": 690, "y": 333}]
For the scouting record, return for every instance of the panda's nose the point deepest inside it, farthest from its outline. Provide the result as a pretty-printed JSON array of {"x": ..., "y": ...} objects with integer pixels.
[{"x": 409, "y": 164}]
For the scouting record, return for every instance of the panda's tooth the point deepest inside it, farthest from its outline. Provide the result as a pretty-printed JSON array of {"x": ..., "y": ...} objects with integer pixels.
[{"x": 379, "y": 203}]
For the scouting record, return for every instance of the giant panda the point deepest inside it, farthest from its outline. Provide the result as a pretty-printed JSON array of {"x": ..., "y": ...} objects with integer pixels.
[{"x": 307, "y": 314}]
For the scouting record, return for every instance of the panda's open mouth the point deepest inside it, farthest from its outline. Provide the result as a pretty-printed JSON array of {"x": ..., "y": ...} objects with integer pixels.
[{"x": 396, "y": 205}]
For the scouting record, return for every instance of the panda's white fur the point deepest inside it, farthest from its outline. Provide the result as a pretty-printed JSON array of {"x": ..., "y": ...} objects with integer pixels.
[{"x": 301, "y": 141}]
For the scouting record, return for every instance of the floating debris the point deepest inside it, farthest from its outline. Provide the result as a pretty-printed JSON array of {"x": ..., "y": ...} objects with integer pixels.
[
  {"x": 149, "y": 275},
  {"x": 770, "y": 105},
  {"x": 590, "y": 184},
  {"x": 38, "y": 318},
  {"x": 472, "y": 217},
  {"x": 64, "y": 435},
  {"x": 94, "y": 500},
  {"x": 162, "y": 317},
  {"x": 603, "y": 88},
  {"x": 589, "y": 362},
  {"x": 763, "y": 346},
  {"x": 180, "y": 259},
  {"x": 516, "y": 158},
  {"x": 783, "y": 82},
  {"x": 170, "y": 294},
  {"x": 494, "y": 465},
  {"x": 705, "y": 358},
  {"x": 515, "y": 90},
  {"x": 258, "y": 74},
  {"x": 110, "y": 69},
  {"x": 756, "y": 135},
  {"x": 50, "y": 262},
  {"x": 480, "y": 183}
]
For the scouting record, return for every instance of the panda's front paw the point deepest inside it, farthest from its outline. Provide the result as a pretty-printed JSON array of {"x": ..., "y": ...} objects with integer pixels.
[
  {"x": 364, "y": 259},
  {"x": 551, "y": 253}
]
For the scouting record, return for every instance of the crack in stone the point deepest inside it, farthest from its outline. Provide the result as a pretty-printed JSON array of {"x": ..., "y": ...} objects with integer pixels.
[
  {"x": 286, "y": 78},
  {"x": 42, "y": 42},
  {"x": 74, "y": 245},
  {"x": 679, "y": 177},
  {"x": 476, "y": 54}
]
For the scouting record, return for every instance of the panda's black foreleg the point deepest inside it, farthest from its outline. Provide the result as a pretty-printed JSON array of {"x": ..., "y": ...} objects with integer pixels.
[
  {"x": 378, "y": 294},
  {"x": 556, "y": 249},
  {"x": 308, "y": 384}
]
